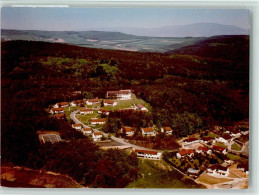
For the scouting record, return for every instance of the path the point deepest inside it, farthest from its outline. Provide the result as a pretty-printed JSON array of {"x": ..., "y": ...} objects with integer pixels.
[{"x": 120, "y": 140}]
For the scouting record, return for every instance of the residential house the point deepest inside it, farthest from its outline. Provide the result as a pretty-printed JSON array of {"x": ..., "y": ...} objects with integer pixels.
[
  {"x": 234, "y": 133},
  {"x": 103, "y": 111},
  {"x": 243, "y": 167},
  {"x": 87, "y": 131},
  {"x": 206, "y": 140},
  {"x": 218, "y": 170},
  {"x": 97, "y": 136},
  {"x": 60, "y": 116},
  {"x": 220, "y": 149},
  {"x": 225, "y": 138},
  {"x": 61, "y": 105},
  {"x": 203, "y": 150},
  {"x": 57, "y": 110},
  {"x": 77, "y": 103},
  {"x": 84, "y": 111},
  {"x": 77, "y": 126},
  {"x": 142, "y": 108},
  {"x": 121, "y": 94},
  {"x": 194, "y": 173},
  {"x": 128, "y": 131},
  {"x": 190, "y": 141},
  {"x": 48, "y": 136},
  {"x": 109, "y": 103},
  {"x": 92, "y": 101},
  {"x": 96, "y": 121},
  {"x": 149, "y": 131},
  {"x": 167, "y": 130},
  {"x": 148, "y": 154},
  {"x": 185, "y": 152}
]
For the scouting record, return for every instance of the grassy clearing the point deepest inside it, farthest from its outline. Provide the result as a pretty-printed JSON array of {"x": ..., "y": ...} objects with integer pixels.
[
  {"x": 220, "y": 144},
  {"x": 207, "y": 179},
  {"x": 212, "y": 135},
  {"x": 158, "y": 174},
  {"x": 86, "y": 119},
  {"x": 127, "y": 103},
  {"x": 233, "y": 157},
  {"x": 236, "y": 147}
]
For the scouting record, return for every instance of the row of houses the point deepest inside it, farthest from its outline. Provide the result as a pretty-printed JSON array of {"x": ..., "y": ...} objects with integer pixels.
[
  {"x": 148, "y": 131},
  {"x": 87, "y": 131}
]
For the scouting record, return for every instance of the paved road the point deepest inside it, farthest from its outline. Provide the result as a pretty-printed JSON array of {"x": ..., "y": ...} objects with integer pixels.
[{"x": 120, "y": 140}]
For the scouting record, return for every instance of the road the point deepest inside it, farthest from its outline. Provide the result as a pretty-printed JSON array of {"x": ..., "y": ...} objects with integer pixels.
[{"x": 120, "y": 140}]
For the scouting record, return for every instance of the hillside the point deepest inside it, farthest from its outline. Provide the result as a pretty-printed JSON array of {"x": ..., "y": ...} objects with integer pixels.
[
  {"x": 188, "y": 92},
  {"x": 234, "y": 48},
  {"x": 99, "y": 39}
]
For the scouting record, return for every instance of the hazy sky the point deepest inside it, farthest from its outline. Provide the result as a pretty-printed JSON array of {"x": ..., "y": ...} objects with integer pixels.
[{"x": 90, "y": 18}]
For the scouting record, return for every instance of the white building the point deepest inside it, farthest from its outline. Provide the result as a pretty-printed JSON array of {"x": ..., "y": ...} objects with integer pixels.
[
  {"x": 97, "y": 136},
  {"x": 96, "y": 121},
  {"x": 92, "y": 101},
  {"x": 218, "y": 171},
  {"x": 148, "y": 131},
  {"x": 226, "y": 138},
  {"x": 109, "y": 103},
  {"x": 85, "y": 111},
  {"x": 141, "y": 107},
  {"x": 77, "y": 126},
  {"x": 87, "y": 131},
  {"x": 148, "y": 154},
  {"x": 167, "y": 130},
  {"x": 57, "y": 110},
  {"x": 121, "y": 94},
  {"x": 128, "y": 130},
  {"x": 203, "y": 150}
]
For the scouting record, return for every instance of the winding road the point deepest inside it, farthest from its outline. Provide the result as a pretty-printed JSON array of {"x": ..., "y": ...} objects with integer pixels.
[{"x": 120, "y": 140}]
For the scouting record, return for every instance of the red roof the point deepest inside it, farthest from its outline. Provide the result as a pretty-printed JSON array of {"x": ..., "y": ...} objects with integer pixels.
[
  {"x": 207, "y": 138},
  {"x": 140, "y": 106},
  {"x": 97, "y": 133},
  {"x": 203, "y": 148},
  {"x": 146, "y": 151},
  {"x": 87, "y": 129},
  {"x": 184, "y": 152},
  {"x": 218, "y": 167},
  {"x": 103, "y": 110},
  {"x": 60, "y": 116},
  {"x": 93, "y": 100},
  {"x": 190, "y": 140},
  {"x": 98, "y": 120},
  {"x": 128, "y": 129},
  {"x": 108, "y": 101},
  {"x": 77, "y": 125},
  {"x": 218, "y": 148},
  {"x": 168, "y": 129},
  {"x": 57, "y": 109},
  {"x": 226, "y": 136},
  {"x": 62, "y": 103},
  {"x": 149, "y": 129}
]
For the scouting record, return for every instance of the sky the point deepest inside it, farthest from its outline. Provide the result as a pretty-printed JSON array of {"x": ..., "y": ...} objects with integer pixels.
[{"x": 76, "y": 19}]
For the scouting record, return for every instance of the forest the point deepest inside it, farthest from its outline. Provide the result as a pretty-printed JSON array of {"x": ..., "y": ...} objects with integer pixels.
[{"x": 190, "y": 90}]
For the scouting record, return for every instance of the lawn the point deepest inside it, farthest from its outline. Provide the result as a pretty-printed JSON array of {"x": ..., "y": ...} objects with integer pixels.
[
  {"x": 205, "y": 178},
  {"x": 236, "y": 147},
  {"x": 86, "y": 119},
  {"x": 212, "y": 135},
  {"x": 158, "y": 174},
  {"x": 128, "y": 103},
  {"x": 220, "y": 144},
  {"x": 233, "y": 157}
]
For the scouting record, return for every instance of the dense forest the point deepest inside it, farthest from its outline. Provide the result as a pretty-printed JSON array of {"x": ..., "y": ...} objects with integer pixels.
[{"x": 191, "y": 90}]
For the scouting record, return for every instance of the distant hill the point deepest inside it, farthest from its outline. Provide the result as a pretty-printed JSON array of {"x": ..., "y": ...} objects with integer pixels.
[
  {"x": 100, "y": 39},
  {"x": 225, "y": 47},
  {"x": 189, "y": 30}
]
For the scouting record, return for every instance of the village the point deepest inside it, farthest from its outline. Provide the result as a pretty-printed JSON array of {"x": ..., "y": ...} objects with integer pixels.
[{"x": 216, "y": 156}]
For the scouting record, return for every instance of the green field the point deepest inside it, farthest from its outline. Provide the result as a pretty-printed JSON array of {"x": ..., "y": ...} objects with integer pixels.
[
  {"x": 233, "y": 157},
  {"x": 235, "y": 146},
  {"x": 86, "y": 119},
  {"x": 221, "y": 145},
  {"x": 212, "y": 135},
  {"x": 158, "y": 174}
]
